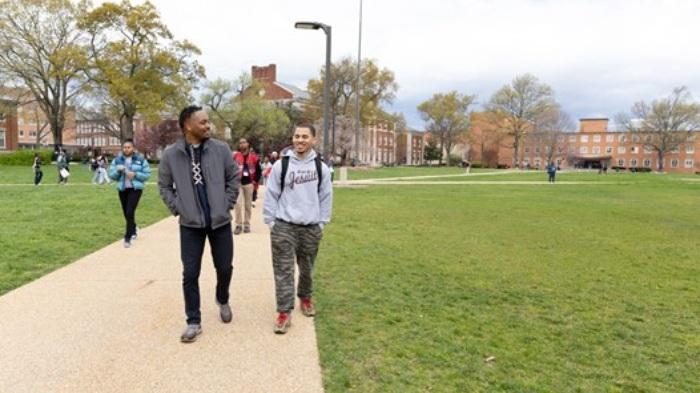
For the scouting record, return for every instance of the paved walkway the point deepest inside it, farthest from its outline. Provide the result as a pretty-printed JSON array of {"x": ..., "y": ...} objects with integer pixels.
[{"x": 111, "y": 322}]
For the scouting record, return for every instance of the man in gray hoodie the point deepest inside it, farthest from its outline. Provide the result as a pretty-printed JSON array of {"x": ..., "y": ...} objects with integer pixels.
[
  {"x": 199, "y": 181},
  {"x": 297, "y": 206}
]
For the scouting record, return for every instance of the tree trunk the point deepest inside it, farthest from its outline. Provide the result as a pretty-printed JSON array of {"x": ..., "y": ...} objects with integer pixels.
[
  {"x": 442, "y": 146},
  {"x": 127, "y": 129},
  {"x": 661, "y": 160},
  {"x": 515, "y": 152}
]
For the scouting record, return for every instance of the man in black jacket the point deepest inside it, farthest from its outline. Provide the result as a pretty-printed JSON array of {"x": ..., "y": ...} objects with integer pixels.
[{"x": 199, "y": 181}]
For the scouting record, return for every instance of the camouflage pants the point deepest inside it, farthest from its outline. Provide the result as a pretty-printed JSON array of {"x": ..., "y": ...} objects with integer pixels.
[{"x": 290, "y": 241}]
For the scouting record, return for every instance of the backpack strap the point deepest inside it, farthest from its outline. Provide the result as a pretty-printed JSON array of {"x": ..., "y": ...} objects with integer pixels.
[{"x": 285, "y": 168}]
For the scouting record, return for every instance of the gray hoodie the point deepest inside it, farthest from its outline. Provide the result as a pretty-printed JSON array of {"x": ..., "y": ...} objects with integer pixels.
[{"x": 301, "y": 202}]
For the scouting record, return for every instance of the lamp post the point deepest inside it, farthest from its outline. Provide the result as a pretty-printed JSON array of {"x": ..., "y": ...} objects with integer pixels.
[{"x": 327, "y": 80}]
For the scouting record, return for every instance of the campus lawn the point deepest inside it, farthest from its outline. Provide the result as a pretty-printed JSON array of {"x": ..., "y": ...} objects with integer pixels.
[
  {"x": 585, "y": 288},
  {"x": 400, "y": 171},
  {"x": 79, "y": 174},
  {"x": 584, "y": 176},
  {"x": 46, "y": 227}
]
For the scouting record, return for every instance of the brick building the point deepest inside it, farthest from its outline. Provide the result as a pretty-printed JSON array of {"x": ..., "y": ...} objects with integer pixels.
[
  {"x": 9, "y": 140},
  {"x": 410, "y": 148},
  {"x": 274, "y": 90},
  {"x": 593, "y": 146}
]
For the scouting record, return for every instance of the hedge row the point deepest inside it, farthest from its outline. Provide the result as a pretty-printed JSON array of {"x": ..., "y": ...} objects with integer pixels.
[{"x": 25, "y": 157}]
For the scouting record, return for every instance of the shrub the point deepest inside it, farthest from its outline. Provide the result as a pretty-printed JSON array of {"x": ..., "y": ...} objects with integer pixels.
[{"x": 25, "y": 157}]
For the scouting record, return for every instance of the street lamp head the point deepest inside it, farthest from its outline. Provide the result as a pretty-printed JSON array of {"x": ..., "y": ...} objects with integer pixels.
[{"x": 308, "y": 25}]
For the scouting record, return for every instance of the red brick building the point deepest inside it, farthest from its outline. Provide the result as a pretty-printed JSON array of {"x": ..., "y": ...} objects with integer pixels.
[
  {"x": 410, "y": 148},
  {"x": 9, "y": 140},
  {"x": 274, "y": 90},
  {"x": 593, "y": 146}
]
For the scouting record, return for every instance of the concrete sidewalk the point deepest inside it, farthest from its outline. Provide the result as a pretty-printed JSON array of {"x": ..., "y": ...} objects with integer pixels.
[{"x": 111, "y": 322}]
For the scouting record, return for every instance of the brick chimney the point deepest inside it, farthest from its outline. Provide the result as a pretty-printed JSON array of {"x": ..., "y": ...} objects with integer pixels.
[
  {"x": 594, "y": 125},
  {"x": 268, "y": 73}
]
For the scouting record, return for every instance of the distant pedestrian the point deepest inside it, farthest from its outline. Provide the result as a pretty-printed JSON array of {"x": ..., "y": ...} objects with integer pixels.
[
  {"x": 62, "y": 166},
  {"x": 100, "y": 166},
  {"x": 250, "y": 173},
  {"x": 266, "y": 169},
  {"x": 36, "y": 166},
  {"x": 552, "y": 171},
  {"x": 297, "y": 206},
  {"x": 198, "y": 180},
  {"x": 130, "y": 171}
]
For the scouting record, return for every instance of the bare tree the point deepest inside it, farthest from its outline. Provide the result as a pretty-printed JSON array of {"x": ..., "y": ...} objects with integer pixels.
[
  {"x": 520, "y": 104},
  {"x": 550, "y": 128},
  {"x": 664, "y": 124},
  {"x": 42, "y": 49},
  {"x": 447, "y": 116}
]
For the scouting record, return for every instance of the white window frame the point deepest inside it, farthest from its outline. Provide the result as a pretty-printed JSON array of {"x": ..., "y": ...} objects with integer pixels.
[
  {"x": 4, "y": 138},
  {"x": 596, "y": 150},
  {"x": 647, "y": 163},
  {"x": 622, "y": 138},
  {"x": 633, "y": 163},
  {"x": 648, "y": 150},
  {"x": 674, "y": 163},
  {"x": 584, "y": 139},
  {"x": 609, "y": 138},
  {"x": 620, "y": 162},
  {"x": 572, "y": 138},
  {"x": 621, "y": 150},
  {"x": 583, "y": 150},
  {"x": 608, "y": 149},
  {"x": 688, "y": 163},
  {"x": 596, "y": 138},
  {"x": 690, "y": 149}
]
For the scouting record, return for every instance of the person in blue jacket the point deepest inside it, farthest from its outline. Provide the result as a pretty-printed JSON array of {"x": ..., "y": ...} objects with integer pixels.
[
  {"x": 551, "y": 171},
  {"x": 130, "y": 171}
]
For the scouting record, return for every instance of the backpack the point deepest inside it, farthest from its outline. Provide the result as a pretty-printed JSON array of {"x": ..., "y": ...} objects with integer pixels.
[{"x": 285, "y": 167}]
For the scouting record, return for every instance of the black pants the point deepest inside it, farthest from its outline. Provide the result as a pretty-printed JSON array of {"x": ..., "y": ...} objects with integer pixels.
[
  {"x": 37, "y": 177},
  {"x": 191, "y": 249},
  {"x": 130, "y": 200},
  {"x": 551, "y": 177}
]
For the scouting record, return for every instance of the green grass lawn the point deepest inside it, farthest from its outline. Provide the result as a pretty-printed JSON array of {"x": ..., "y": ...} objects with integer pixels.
[
  {"x": 586, "y": 288},
  {"x": 401, "y": 171},
  {"x": 46, "y": 227}
]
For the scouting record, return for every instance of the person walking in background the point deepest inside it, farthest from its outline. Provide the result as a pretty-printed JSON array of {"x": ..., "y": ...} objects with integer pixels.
[
  {"x": 297, "y": 206},
  {"x": 36, "y": 166},
  {"x": 62, "y": 166},
  {"x": 266, "y": 169},
  {"x": 250, "y": 172},
  {"x": 552, "y": 171},
  {"x": 130, "y": 171},
  {"x": 198, "y": 181},
  {"x": 101, "y": 175}
]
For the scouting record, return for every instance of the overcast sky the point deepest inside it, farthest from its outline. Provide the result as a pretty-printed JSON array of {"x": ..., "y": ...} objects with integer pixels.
[{"x": 599, "y": 56}]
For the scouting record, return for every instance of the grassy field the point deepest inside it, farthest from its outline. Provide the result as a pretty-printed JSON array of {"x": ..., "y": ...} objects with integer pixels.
[
  {"x": 579, "y": 288},
  {"x": 586, "y": 288},
  {"x": 366, "y": 173},
  {"x": 46, "y": 227}
]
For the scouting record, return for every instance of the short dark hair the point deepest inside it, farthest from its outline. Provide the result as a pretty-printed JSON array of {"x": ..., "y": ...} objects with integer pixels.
[
  {"x": 128, "y": 140},
  {"x": 309, "y": 126},
  {"x": 186, "y": 114}
]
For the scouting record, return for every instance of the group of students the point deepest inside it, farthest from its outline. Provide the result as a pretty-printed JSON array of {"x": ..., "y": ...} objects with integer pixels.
[{"x": 200, "y": 180}]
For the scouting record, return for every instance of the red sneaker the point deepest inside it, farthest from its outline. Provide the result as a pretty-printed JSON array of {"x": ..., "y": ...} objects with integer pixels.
[
  {"x": 307, "y": 307},
  {"x": 283, "y": 322}
]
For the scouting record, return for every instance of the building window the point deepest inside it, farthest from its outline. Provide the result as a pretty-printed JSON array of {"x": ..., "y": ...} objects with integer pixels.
[
  {"x": 560, "y": 139},
  {"x": 21, "y": 132},
  {"x": 690, "y": 138},
  {"x": 610, "y": 138},
  {"x": 572, "y": 138},
  {"x": 647, "y": 149},
  {"x": 596, "y": 138},
  {"x": 647, "y": 163},
  {"x": 634, "y": 150},
  {"x": 647, "y": 139},
  {"x": 622, "y": 138},
  {"x": 527, "y": 150},
  {"x": 537, "y": 150},
  {"x": 537, "y": 162},
  {"x": 596, "y": 149},
  {"x": 584, "y": 138},
  {"x": 621, "y": 162},
  {"x": 690, "y": 149},
  {"x": 583, "y": 150},
  {"x": 621, "y": 150},
  {"x": 608, "y": 149},
  {"x": 32, "y": 133},
  {"x": 558, "y": 161},
  {"x": 635, "y": 138},
  {"x": 560, "y": 149},
  {"x": 674, "y": 163},
  {"x": 633, "y": 163},
  {"x": 2, "y": 138},
  {"x": 688, "y": 163},
  {"x": 675, "y": 150}
]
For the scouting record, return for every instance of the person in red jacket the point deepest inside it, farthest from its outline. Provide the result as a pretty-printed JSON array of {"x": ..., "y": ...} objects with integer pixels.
[{"x": 250, "y": 172}]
